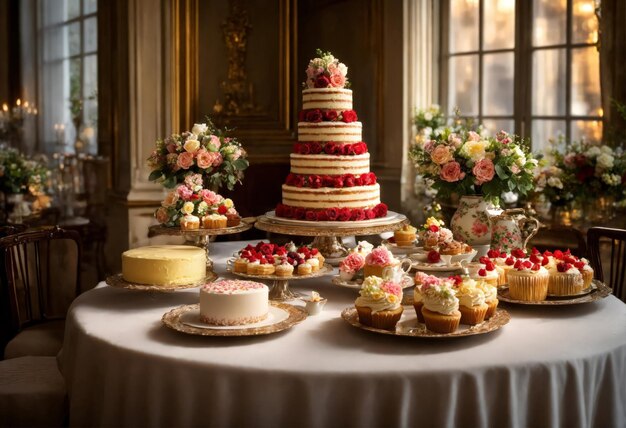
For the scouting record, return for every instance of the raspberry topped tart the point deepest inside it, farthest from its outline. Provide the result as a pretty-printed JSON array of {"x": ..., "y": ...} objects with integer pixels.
[{"x": 330, "y": 178}]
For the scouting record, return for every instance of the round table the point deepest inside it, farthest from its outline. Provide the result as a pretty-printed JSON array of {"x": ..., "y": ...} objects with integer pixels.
[{"x": 550, "y": 366}]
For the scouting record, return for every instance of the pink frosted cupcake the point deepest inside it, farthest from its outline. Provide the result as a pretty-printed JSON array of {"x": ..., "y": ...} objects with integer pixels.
[{"x": 376, "y": 261}]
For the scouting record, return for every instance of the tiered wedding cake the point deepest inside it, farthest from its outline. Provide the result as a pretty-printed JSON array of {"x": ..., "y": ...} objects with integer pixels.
[{"x": 330, "y": 175}]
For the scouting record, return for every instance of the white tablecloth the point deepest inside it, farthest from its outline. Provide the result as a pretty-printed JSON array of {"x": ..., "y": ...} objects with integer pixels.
[{"x": 550, "y": 366}]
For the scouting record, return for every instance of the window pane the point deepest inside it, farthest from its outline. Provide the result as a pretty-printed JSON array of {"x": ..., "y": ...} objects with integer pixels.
[
  {"x": 73, "y": 8},
  {"x": 463, "y": 85},
  {"x": 90, "y": 6},
  {"x": 549, "y": 23},
  {"x": 90, "y": 76},
  {"x": 585, "y": 22},
  {"x": 549, "y": 82},
  {"x": 54, "y": 43},
  {"x": 463, "y": 25},
  {"x": 496, "y": 125},
  {"x": 91, "y": 35},
  {"x": 74, "y": 38},
  {"x": 589, "y": 130},
  {"x": 586, "y": 82},
  {"x": 498, "y": 72},
  {"x": 544, "y": 130},
  {"x": 499, "y": 23}
]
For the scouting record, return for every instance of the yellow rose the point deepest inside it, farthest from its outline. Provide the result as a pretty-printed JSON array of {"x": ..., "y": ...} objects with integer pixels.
[
  {"x": 187, "y": 208},
  {"x": 228, "y": 203},
  {"x": 475, "y": 150},
  {"x": 392, "y": 298},
  {"x": 191, "y": 146}
]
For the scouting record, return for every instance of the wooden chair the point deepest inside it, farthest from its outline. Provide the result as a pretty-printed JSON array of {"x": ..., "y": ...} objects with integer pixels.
[
  {"x": 617, "y": 262},
  {"x": 560, "y": 238},
  {"x": 42, "y": 278}
]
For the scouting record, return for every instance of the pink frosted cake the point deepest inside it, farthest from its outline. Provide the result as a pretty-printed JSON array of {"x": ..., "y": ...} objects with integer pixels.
[{"x": 232, "y": 302}]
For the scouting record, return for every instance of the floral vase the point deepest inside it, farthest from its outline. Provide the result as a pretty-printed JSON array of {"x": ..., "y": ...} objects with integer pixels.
[{"x": 470, "y": 223}]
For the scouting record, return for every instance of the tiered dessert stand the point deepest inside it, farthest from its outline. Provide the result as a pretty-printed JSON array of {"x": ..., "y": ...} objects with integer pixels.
[
  {"x": 327, "y": 232},
  {"x": 202, "y": 237}
]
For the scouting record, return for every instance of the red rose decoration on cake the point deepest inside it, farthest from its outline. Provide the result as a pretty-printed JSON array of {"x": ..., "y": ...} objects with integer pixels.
[
  {"x": 331, "y": 115},
  {"x": 344, "y": 214},
  {"x": 322, "y": 216},
  {"x": 358, "y": 214},
  {"x": 349, "y": 116},
  {"x": 315, "y": 148},
  {"x": 338, "y": 182},
  {"x": 349, "y": 180},
  {"x": 311, "y": 216},
  {"x": 370, "y": 214},
  {"x": 322, "y": 81},
  {"x": 380, "y": 210},
  {"x": 332, "y": 213},
  {"x": 315, "y": 181},
  {"x": 299, "y": 213},
  {"x": 314, "y": 116}
]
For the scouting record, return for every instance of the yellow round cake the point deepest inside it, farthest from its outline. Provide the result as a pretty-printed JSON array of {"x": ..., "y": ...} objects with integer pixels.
[{"x": 164, "y": 265}]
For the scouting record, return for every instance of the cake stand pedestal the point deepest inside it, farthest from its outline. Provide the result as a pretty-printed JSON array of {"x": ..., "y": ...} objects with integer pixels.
[
  {"x": 202, "y": 237},
  {"x": 280, "y": 290},
  {"x": 326, "y": 233}
]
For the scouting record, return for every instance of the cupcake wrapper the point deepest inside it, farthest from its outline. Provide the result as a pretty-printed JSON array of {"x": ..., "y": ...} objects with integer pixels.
[
  {"x": 587, "y": 278},
  {"x": 385, "y": 320},
  {"x": 440, "y": 323},
  {"x": 493, "y": 305},
  {"x": 418, "y": 311},
  {"x": 528, "y": 288},
  {"x": 565, "y": 285},
  {"x": 474, "y": 315}
]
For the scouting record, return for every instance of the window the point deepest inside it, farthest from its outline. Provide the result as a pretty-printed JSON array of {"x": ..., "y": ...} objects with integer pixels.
[
  {"x": 69, "y": 73},
  {"x": 530, "y": 67}
]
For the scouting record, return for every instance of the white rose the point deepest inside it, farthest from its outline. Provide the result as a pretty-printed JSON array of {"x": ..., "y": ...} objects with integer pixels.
[
  {"x": 606, "y": 149},
  {"x": 342, "y": 68},
  {"x": 199, "y": 128},
  {"x": 434, "y": 107},
  {"x": 428, "y": 116},
  {"x": 593, "y": 152},
  {"x": 555, "y": 182},
  {"x": 605, "y": 161}
]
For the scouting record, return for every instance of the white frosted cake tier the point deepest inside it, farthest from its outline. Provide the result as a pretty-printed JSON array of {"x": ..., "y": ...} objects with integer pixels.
[
  {"x": 340, "y": 132},
  {"x": 233, "y": 302},
  {"x": 330, "y": 164},
  {"x": 329, "y": 197},
  {"x": 327, "y": 99},
  {"x": 164, "y": 265}
]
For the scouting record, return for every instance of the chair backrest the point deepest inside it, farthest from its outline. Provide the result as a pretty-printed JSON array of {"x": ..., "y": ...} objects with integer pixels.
[
  {"x": 617, "y": 267},
  {"x": 42, "y": 274},
  {"x": 560, "y": 238},
  {"x": 11, "y": 229}
]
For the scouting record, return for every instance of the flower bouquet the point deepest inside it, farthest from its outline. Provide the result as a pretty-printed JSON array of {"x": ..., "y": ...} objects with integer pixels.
[
  {"x": 191, "y": 198},
  {"x": 468, "y": 164},
  {"x": 326, "y": 71},
  {"x": 21, "y": 175},
  {"x": 204, "y": 150}
]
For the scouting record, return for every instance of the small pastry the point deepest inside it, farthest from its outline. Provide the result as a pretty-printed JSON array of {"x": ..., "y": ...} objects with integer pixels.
[
  {"x": 240, "y": 265},
  {"x": 405, "y": 237},
  {"x": 315, "y": 264},
  {"x": 214, "y": 221},
  {"x": 232, "y": 219},
  {"x": 452, "y": 248},
  {"x": 284, "y": 270},
  {"x": 304, "y": 269},
  {"x": 379, "y": 304},
  {"x": 190, "y": 222},
  {"x": 265, "y": 269},
  {"x": 377, "y": 260},
  {"x": 251, "y": 268}
]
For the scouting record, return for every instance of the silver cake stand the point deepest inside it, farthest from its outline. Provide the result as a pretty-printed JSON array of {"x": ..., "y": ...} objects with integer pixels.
[
  {"x": 327, "y": 232},
  {"x": 202, "y": 237}
]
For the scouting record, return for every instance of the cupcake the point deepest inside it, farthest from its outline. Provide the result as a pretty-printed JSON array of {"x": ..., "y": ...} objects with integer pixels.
[
  {"x": 251, "y": 267},
  {"x": 189, "y": 222},
  {"x": 441, "y": 307},
  {"x": 421, "y": 279},
  {"x": 214, "y": 221},
  {"x": 376, "y": 261},
  {"x": 471, "y": 302},
  {"x": 232, "y": 219},
  {"x": 315, "y": 264},
  {"x": 304, "y": 269},
  {"x": 265, "y": 268},
  {"x": 240, "y": 265},
  {"x": 379, "y": 304},
  {"x": 349, "y": 266},
  {"x": 406, "y": 236},
  {"x": 284, "y": 269},
  {"x": 528, "y": 281},
  {"x": 586, "y": 271},
  {"x": 565, "y": 280},
  {"x": 491, "y": 297},
  {"x": 484, "y": 271}
]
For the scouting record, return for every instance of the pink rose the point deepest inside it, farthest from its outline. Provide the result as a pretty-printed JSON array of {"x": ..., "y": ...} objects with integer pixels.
[
  {"x": 337, "y": 80},
  {"x": 352, "y": 263},
  {"x": 380, "y": 256},
  {"x": 185, "y": 160},
  {"x": 428, "y": 146},
  {"x": 451, "y": 172},
  {"x": 211, "y": 198},
  {"x": 217, "y": 159},
  {"x": 161, "y": 215},
  {"x": 515, "y": 169},
  {"x": 184, "y": 192},
  {"x": 310, "y": 72},
  {"x": 236, "y": 154},
  {"x": 472, "y": 136},
  {"x": 171, "y": 199},
  {"x": 204, "y": 159},
  {"x": 215, "y": 141},
  {"x": 391, "y": 288},
  {"x": 171, "y": 148},
  {"x": 483, "y": 171},
  {"x": 441, "y": 155},
  {"x": 570, "y": 160}
]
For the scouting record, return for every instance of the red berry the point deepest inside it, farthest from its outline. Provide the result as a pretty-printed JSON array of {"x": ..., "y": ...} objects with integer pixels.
[
  {"x": 490, "y": 266},
  {"x": 558, "y": 254},
  {"x": 519, "y": 253},
  {"x": 528, "y": 264},
  {"x": 547, "y": 253},
  {"x": 484, "y": 260},
  {"x": 493, "y": 254},
  {"x": 482, "y": 272},
  {"x": 535, "y": 250},
  {"x": 545, "y": 261},
  {"x": 579, "y": 264},
  {"x": 536, "y": 266},
  {"x": 510, "y": 261},
  {"x": 535, "y": 258},
  {"x": 518, "y": 264}
]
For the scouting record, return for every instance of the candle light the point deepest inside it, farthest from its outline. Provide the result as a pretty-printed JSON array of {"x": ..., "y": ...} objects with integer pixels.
[
  {"x": 5, "y": 107},
  {"x": 18, "y": 102}
]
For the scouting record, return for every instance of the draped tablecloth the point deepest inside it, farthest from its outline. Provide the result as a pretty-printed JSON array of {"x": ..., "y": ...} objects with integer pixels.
[{"x": 550, "y": 366}]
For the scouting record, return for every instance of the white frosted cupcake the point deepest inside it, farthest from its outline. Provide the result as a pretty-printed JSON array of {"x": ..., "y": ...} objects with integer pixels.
[
  {"x": 483, "y": 271},
  {"x": 491, "y": 297},
  {"x": 441, "y": 307},
  {"x": 471, "y": 302},
  {"x": 565, "y": 280},
  {"x": 528, "y": 281},
  {"x": 315, "y": 264},
  {"x": 380, "y": 303}
]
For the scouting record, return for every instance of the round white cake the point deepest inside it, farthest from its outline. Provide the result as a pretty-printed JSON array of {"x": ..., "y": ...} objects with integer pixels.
[
  {"x": 164, "y": 265},
  {"x": 233, "y": 302}
]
